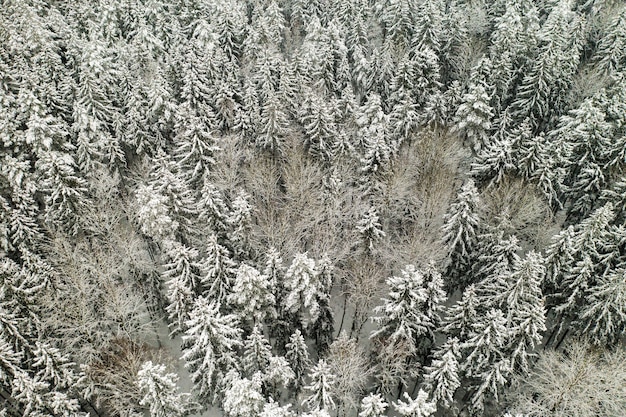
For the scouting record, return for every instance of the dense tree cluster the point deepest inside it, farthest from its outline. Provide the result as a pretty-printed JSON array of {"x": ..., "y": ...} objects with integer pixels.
[{"x": 312, "y": 208}]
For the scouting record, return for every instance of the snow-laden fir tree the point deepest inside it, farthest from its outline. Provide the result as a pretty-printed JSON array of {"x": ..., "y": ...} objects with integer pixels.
[
  {"x": 239, "y": 219},
  {"x": 183, "y": 275},
  {"x": 195, "y": 149},
  {"x": 494, "y": 162},
  {"x": 210, "y": 346},
  {"x": 586, "y": 136},
  {"x": 65, "y": 191},
  {"x": 610, "y": 53},
  {"x": 256, "y": 352},
  {"x": 442, "y": 377},
  {"x": 220, "y": 269},
  {"x": 460, "y": 229},
  {"x": 302, "y": 285},
  {"x": 159, "y": 392},
  {"x": 417, "y": 407},
  {"x": 273, "y": 409},
  {"x": 486, "y": 361},
  {"x": 603, "y": 317},
  {"x": 523, "y": 300},
  {"x": 473, "y": 117},
  {"x": 243, "y": 398},
  {"x": 298, "y": 357},
  {"x": 166, "y": 180},
  {"x": 320, "y": 387},
  {"x": 494, "y": 262},
  {"x": 252, "y": 295},
  {"x": 213, "y": 210},
  {"x": 370, "y": 229},
  {"x": 373, "y": 405},
  {"x": 402, "y": 317},
  {"x": 153, "y": 214},
  {"x": 461, "y": 316}
]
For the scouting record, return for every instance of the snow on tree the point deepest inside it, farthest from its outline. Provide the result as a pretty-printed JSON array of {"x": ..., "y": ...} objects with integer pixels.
[
  {"x": 494, "y": 262},
  {"x": 373, "y": 405},
  {"x": 512, "y": 40},
  {"x": 461, "y": 316},
  {"x": 319, "y": 126},
  {"x": 487, "y": 340},
  {"x": 239, "y": 220},
  {"x": 212, "y": 209},
  {"x": 610, "y": 53},
  {"x": 473, "y": 117},
  {"x": 370, "y": 229},
  {"x": 486, "y": 360},
  {"x": 272, "y": 409},
  {"x": 183, "y": 276},
  {"x": 251, "y": 293},
  {"x": 220, "y": 269},
  {"x": 494, "y": 162},
  {"x": 461, "y": 227},
  {"x": 402, "y": 317},
  {"x": 298, "y": 357},
  {"x": 165, "y": 179},
  {"x": 442, "y": 377},
  {"x": 320, "y": 388},
  {"x": 523, "y": 300},
  {"x": 418, "y": 407},
  {"x": 273, "y": 126},
  {"x": 153, "y": 214},
  {"x": 302, "y": 285},
  {"x": 160, "y": 391},
  {"x": 65, "y": 191},
  {"x": 278, "y": 375},
  {"x": 256, "y": 352},
  {"x": 581, "y": 381},
  {"x": 195, "y": 149},
  {"x": 350, "y": 366},
  {"x": 435, "y": 296},
  {"x": 603, "y": 318},
  {"x": 586, "y": 135},
  {"x": 210, "y": 346},
  {"x": 538, "y": 96},
  {"x": 244, "y": 398}
]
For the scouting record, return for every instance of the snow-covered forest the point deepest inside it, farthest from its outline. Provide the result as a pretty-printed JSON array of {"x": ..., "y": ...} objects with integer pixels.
[{"x": 312, "y": 208}]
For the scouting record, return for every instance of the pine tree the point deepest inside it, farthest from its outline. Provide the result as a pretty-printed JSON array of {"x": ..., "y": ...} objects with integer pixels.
[
  {"x": 473, "y": 117},
  {"x": 418, "y": 407},
  {"x": 244, "y": 398},
  {"x": 195, "y": 149},
  {"x": 461, "y": 317},
  {"x": 220, "y": 269},
  {"x": 160, "y": 392},
  {"x": 251, "y": 292},
  {"x": 65, "y": 191},
  {"x": 183, "y": 276},
  {"x": 523, "y": 300},
  {"x": 373, "y": 406},
  {"x": 494, "y": 162},
  {"x": 442, "y": 376},
  {"x": 370, "y": 229},
  {"x": 210, "y": 346},
  {"x": 402, "y": 317},
  {"x": 298, "y": 357},
  {"x": 256, "y": 352},
  {"x": 320, "y": 388},
  {"x": 610, "y": 52},
  {"x": 302, "y": 286},
  {"x": 587, "y": 136},
  {"x": 460, "y": 229},
  {"x": 603, "y": 318}
]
